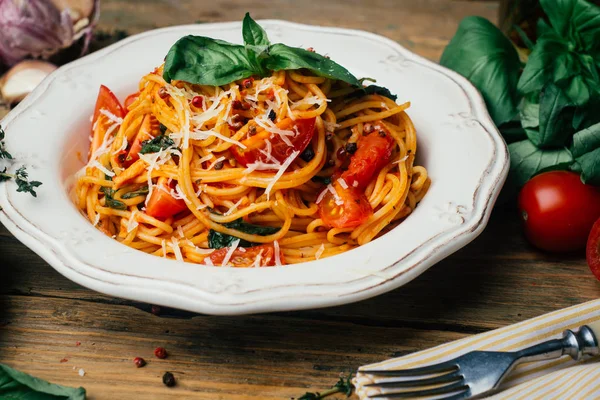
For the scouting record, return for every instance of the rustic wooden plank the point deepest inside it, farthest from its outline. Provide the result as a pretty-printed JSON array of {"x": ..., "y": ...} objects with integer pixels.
[{"x": 423, "y": 26}]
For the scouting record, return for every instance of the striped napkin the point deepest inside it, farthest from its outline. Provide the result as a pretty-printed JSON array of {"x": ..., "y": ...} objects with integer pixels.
[{"x": 562, "y": 378}]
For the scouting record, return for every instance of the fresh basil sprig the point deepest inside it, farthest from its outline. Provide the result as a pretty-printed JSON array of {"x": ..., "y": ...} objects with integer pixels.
[
  {"x": 206, "y": 61},
  {"x": 19, "y": 385},
  {"x": 154, "y": 145},
  {"x": 549, "y": 111},
  {"x": 218, "y": 240}
]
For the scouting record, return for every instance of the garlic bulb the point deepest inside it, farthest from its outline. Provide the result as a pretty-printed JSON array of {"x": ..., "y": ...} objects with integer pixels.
[{"x": 21, "y": 79}]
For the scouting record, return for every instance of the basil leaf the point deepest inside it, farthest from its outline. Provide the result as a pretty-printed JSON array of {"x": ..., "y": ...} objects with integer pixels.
[
  {"x": 586, "y": 140},
  {"x": 584, "y": 117},
  {"x": 218, "y": 240},
  {"x": 549, "y": 60},
  {"x": 282, "y": 57},
  {"x": 481, "y": 53},
  {"x": 556, "y": 115},
  {"x": 530, "y": 114},
  {"x": 588, "y": 166},
  {"x": 19, "y": 385},
  {"x": 577, "y": 20},
  {"x": 110, "y": 200},
  {"x": 205, "y": 61},
  {"x": 526, "y": 160},
  {"x": 374, "y": 89},
  {"x": 154, "y": 145},
  {"x": 253, "y": 33},
  {"x": 137, "y": 193}
]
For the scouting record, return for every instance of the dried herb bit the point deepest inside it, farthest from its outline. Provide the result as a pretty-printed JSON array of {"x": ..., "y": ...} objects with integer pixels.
[
  {"x": 3, "y": 152},
  {"x": 344, "y": 385},
  {"x": 163, "y": 129},
  {"x": 23, "y": 183},
  {"x": 161, "y": 142},
  {"x": 110, "y": 200},
  {"x": 168, "y": 379},
  {"x": 136, "y": 193}
]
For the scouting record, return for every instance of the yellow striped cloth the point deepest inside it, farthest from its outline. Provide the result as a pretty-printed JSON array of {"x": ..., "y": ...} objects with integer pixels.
[{"x": 562, "y": 378}]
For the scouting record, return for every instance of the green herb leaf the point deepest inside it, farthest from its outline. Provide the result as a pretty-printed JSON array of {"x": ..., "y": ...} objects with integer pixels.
[
  {"x": 19, "y": 385},
  {"x": 282, "y": 57},
  {"x": 588, "y": 166},
  {"x": 344, "y": 385},
  {"x": 526, "y": 160},
  {"x": 374, "y": 89},
  {"x": 23, "y": 183},
  {"x": 110, "y": 200},
  {"x": 556, "y": 114},
  {"x": 161, "y": 142},
  {"x": 3, "y": 152},
  {"x": 218, "y": 240},
  {"x": 205, "y": 61},
  {"x": 481, "y": 53},
  {"x": 137, "y": 193},
  {"x": 577, "y": 20},
  {"x": 4, "y": 176},
  {"x": 253, "y": 33},
  {"x": 530, "y": 114}
]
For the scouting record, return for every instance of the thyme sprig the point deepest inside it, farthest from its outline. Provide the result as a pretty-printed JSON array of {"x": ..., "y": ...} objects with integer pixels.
[
  {"x": 344, "y": 385},
  {"x": 21, "y": 177}
]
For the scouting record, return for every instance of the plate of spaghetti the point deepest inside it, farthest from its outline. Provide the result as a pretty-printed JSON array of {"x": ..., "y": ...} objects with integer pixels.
[{"x": 189, "y": 168}]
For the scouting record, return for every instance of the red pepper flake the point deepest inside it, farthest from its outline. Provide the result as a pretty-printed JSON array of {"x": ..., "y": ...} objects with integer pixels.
[
  {"x": 64, "y": 360},
  {"x": 239, "y": 105},
  {"x": 198, "y": 101},
  {"x": 77, "y": 343},
  {"x": 139, "y": 362},
  {"x": 160, "y": 352},
  {"x": 247, "y": 83}
]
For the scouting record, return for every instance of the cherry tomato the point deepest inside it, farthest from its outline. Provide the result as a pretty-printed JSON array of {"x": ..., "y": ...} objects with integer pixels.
[
  {"x": 279, "y": 149},
  {"x": 558, "y": 210},
  {"x": 373, "y": 153},
  {"x": 593, "y": 249},
  {"x": 246, "y": 257},
  {"x": 161, "y": 204},
  {"x": 145, "y": 133},
  {"x": 108, "y": 101},
  {"x": 130, "y": 100},
  {"x": 353, "y": 210}
]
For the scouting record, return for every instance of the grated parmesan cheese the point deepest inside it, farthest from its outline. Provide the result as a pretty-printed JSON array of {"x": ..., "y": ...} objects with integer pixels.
[
  {"x": 208, "y": 262},
  {"x": 96, "y": 164},
  {"x": 111, "y": 116},
  {"x": 180, "y": 231},
  {"x": 342, "y": 183},
  {"x": 336, "y": 196},
  {"x": 320, "y": 251},
  {"x": 257, "y": 260},
  {"x": 281, "y": 171},
  {"x": 355, "y": 184},
  {"x": 234, "y": 207},
  {"x": 96, "y": 219},
  {"x": 321, "y": 195},
  {"x": 277, "y": 255},
  {"x": 401, "y": 160},
  {"x": 234, "y": 246},
  {"x": 163, "y": 244},
  {"x": 211, "y": 166},
  {"x": 132, "y": 222},
  {"x": 201, "y": 135},
  {"x": 268, "y": 125},
  {"x": 176, "y": 249}
]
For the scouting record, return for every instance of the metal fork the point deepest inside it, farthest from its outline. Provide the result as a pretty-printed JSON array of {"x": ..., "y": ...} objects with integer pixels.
[{"x": 479, "y": 373}]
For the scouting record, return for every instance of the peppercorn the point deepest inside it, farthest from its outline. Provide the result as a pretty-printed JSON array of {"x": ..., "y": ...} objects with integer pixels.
[
  {"x": 247, "y": 83},
  {"x": 162, "y": 93},
  {"x": 219, "y": 165},
  {"x": 139, "y": 362},
  {"x": 160, "y": 352},
  {"x": 198, "y": 101},
  {"x": 382, "y": 134},
  {"x": 168, "y": 379},
  {"x": 272, "y": 115},
  {"x": 251, "y": 130},
  {"x": 308, "y": 154},
  {"x": 351, "y": 148}
]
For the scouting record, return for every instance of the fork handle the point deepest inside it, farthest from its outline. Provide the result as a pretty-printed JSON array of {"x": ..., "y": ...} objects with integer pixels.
[{"x": 584, "y": 341}]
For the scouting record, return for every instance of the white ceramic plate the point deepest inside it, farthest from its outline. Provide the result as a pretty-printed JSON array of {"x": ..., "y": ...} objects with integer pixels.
[{"x": 457, "y": 142}]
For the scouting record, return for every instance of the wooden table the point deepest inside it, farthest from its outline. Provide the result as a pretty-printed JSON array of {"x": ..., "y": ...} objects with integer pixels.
[{"x": 51, "y": 327}]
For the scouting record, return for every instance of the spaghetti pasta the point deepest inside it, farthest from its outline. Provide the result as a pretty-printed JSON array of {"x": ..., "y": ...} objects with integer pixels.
[{"x": 285, "y": 169}]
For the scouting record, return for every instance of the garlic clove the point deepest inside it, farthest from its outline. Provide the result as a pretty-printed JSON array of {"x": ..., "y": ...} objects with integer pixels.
[{"x": 21, "y": 79}]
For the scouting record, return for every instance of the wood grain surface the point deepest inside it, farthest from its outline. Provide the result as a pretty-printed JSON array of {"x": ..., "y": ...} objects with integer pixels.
[{"x": 51, "y": 327}]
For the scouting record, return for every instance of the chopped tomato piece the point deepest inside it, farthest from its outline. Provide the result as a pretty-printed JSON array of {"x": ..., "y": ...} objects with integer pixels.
[
  {"x": 373, "y": 153},
  {"x": 161, "y": 204},
  {"x": 108, "y": 101},
  {"x": 246, "y": 257},
  {"x": 130, "y": 100},
  {"x": 349, "y": 209},
  {"x": 257, "y": 148},
  {"x": 145, "y": 133}
]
